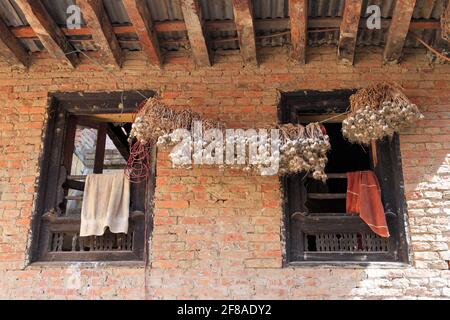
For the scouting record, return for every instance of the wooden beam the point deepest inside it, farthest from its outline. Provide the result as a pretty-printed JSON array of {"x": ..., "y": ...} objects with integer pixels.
[
  {"x": 48, "y": 32},
  {"x": 196, "y": 32},
  {"x": 140, "y": 17},
  {"x": 120, "y": 140},
  {"x": 349, "y": 31},
  {"x": 25, "y": 32},
  {"x": 243, "y": 18},
  {"x": 327, "y": 196},
  {"x": 102, "y": 32},
  {"x": 427, "y": 7},
  {"x": 11, "y": 49},
  {"x": 69, "y": 143},
  {"x": 111, "y": 117},
  {"x": 398, "y": 30},
  {"x": 89, "y": 103},
  {"x": 100, "y": 148},
  {"x": 298, "y": 15}
]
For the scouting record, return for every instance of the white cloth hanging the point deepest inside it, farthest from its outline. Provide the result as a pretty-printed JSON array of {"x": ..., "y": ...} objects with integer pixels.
[{"x": 106, "y": 203}]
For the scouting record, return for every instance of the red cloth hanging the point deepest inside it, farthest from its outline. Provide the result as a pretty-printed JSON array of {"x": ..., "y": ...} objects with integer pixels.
[{"x": 364, "y": 198}]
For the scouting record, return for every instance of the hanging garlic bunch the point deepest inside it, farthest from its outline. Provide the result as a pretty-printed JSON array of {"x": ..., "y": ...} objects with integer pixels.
[
  {"x": 378, "y": 111},
  {"x": 304, "y": 149},
  {"x": 146, "y": 129},
  {"x": 400, "y": 115},
  {"x": 301, "y": 148},
  {"x": 155, "y": 119},
  {"x": 164, "y": 140},
  {"x": 365, "y": 125}
]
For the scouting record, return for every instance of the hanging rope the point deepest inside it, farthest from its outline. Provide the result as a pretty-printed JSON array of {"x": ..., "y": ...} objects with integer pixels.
[{"x": 426, "y": 45}]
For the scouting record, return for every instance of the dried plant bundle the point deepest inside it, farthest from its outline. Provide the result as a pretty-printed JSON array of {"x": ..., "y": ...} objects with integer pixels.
[
  {"x": 155, "y": 119},
  {"x": 374, "y": 96},
  {"x": 301, "y": 148},
  {"x": 378, "y": 111},
  {"x": 304, "y": 149}
]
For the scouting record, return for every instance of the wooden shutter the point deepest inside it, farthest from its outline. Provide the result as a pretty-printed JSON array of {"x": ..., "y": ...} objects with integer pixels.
[{"x": 390, "y": 176}]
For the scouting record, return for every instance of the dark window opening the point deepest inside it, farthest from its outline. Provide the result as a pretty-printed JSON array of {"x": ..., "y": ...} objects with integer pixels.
[
  {"x": 86, "y": 133},
  {"x": 317, "y": 225},
  {"x": 343, "y": 157}
]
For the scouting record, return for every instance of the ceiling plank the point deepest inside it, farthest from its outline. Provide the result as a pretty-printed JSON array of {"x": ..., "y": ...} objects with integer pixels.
[
  {"x": 398, "y": 30},
  {"x": 243, "y": 18},
  {"x": 24, "y": 32},
  {"x": 102, "y": 32},
  {"x": 298, "y": 15},
  {"x": 140, "y": 17},
  {"x": 427, "y": 8},
  {"x": 196, "y": 32},
  {"x": 11, "y": 49},
  {"x": 48, "y": 32},
  {"x": 349, "y": 32}
]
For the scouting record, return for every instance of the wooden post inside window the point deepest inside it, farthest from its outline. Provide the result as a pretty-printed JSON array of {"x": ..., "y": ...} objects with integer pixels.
[
  {"x": 373, "y": 145},
  {"x": 100, "y": 148},
  {"x": 70, "y": 143}
]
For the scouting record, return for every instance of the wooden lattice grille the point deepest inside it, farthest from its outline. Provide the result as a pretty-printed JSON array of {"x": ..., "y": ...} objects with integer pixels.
[
  {"x": 72, "y": 242},
  {"x": 345, "y": 242}
]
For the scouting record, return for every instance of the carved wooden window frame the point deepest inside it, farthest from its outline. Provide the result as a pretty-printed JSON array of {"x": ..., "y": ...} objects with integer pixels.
[
  {"x": 64, "y": 112},
  {"x": 390, "y": 176}
]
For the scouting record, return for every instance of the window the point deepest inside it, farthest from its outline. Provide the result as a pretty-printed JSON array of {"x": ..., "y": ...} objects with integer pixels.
[
  {"x": 86, "y": 133},
  {"x": 317, "y": 227}
]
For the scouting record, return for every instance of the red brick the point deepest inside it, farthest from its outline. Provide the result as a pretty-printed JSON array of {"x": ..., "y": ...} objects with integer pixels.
[{"x": 216, "y": 233}]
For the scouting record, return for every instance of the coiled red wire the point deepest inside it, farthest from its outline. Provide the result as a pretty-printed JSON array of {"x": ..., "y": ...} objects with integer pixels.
[{"x": 138, "y": 168}]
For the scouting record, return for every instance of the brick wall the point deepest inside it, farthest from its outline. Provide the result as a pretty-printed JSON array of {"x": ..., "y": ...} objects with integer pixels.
[{"x": 218, "y": 234}]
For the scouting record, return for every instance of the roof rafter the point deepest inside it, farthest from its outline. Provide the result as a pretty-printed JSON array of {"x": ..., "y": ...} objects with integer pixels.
[
  {"x": 140, "y": 17},
  {"x": 195, "y": 27},
  {"x": 48, "y": 32},
  {"x": 349, "y": 31},
  {"x": 243, "y": 18},
  {"x": 102, "y": 32},
  {"x": 427, "y": 8},
  {"x": 398, "y": 30},
  {"x": 298, "y": 14},
  {"x": 10, "y": 47}
]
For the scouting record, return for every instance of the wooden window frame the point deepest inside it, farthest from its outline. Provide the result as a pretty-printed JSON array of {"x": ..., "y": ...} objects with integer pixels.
[
  {"x": 55, "y": 164},
  {"x": 388, "y": 170}
]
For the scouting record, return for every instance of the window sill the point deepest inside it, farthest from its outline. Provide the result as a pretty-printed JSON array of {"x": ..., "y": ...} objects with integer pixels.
[
  {"x": 86, "y": 264},
  {"x": 348, "y": 265}
]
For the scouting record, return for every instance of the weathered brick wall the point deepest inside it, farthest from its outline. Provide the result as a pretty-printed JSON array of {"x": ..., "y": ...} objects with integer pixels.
[{"x": 218, "y": 234}]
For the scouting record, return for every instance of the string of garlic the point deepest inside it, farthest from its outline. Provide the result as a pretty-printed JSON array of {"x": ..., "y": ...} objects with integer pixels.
[{"x": 367, "y": 124}]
